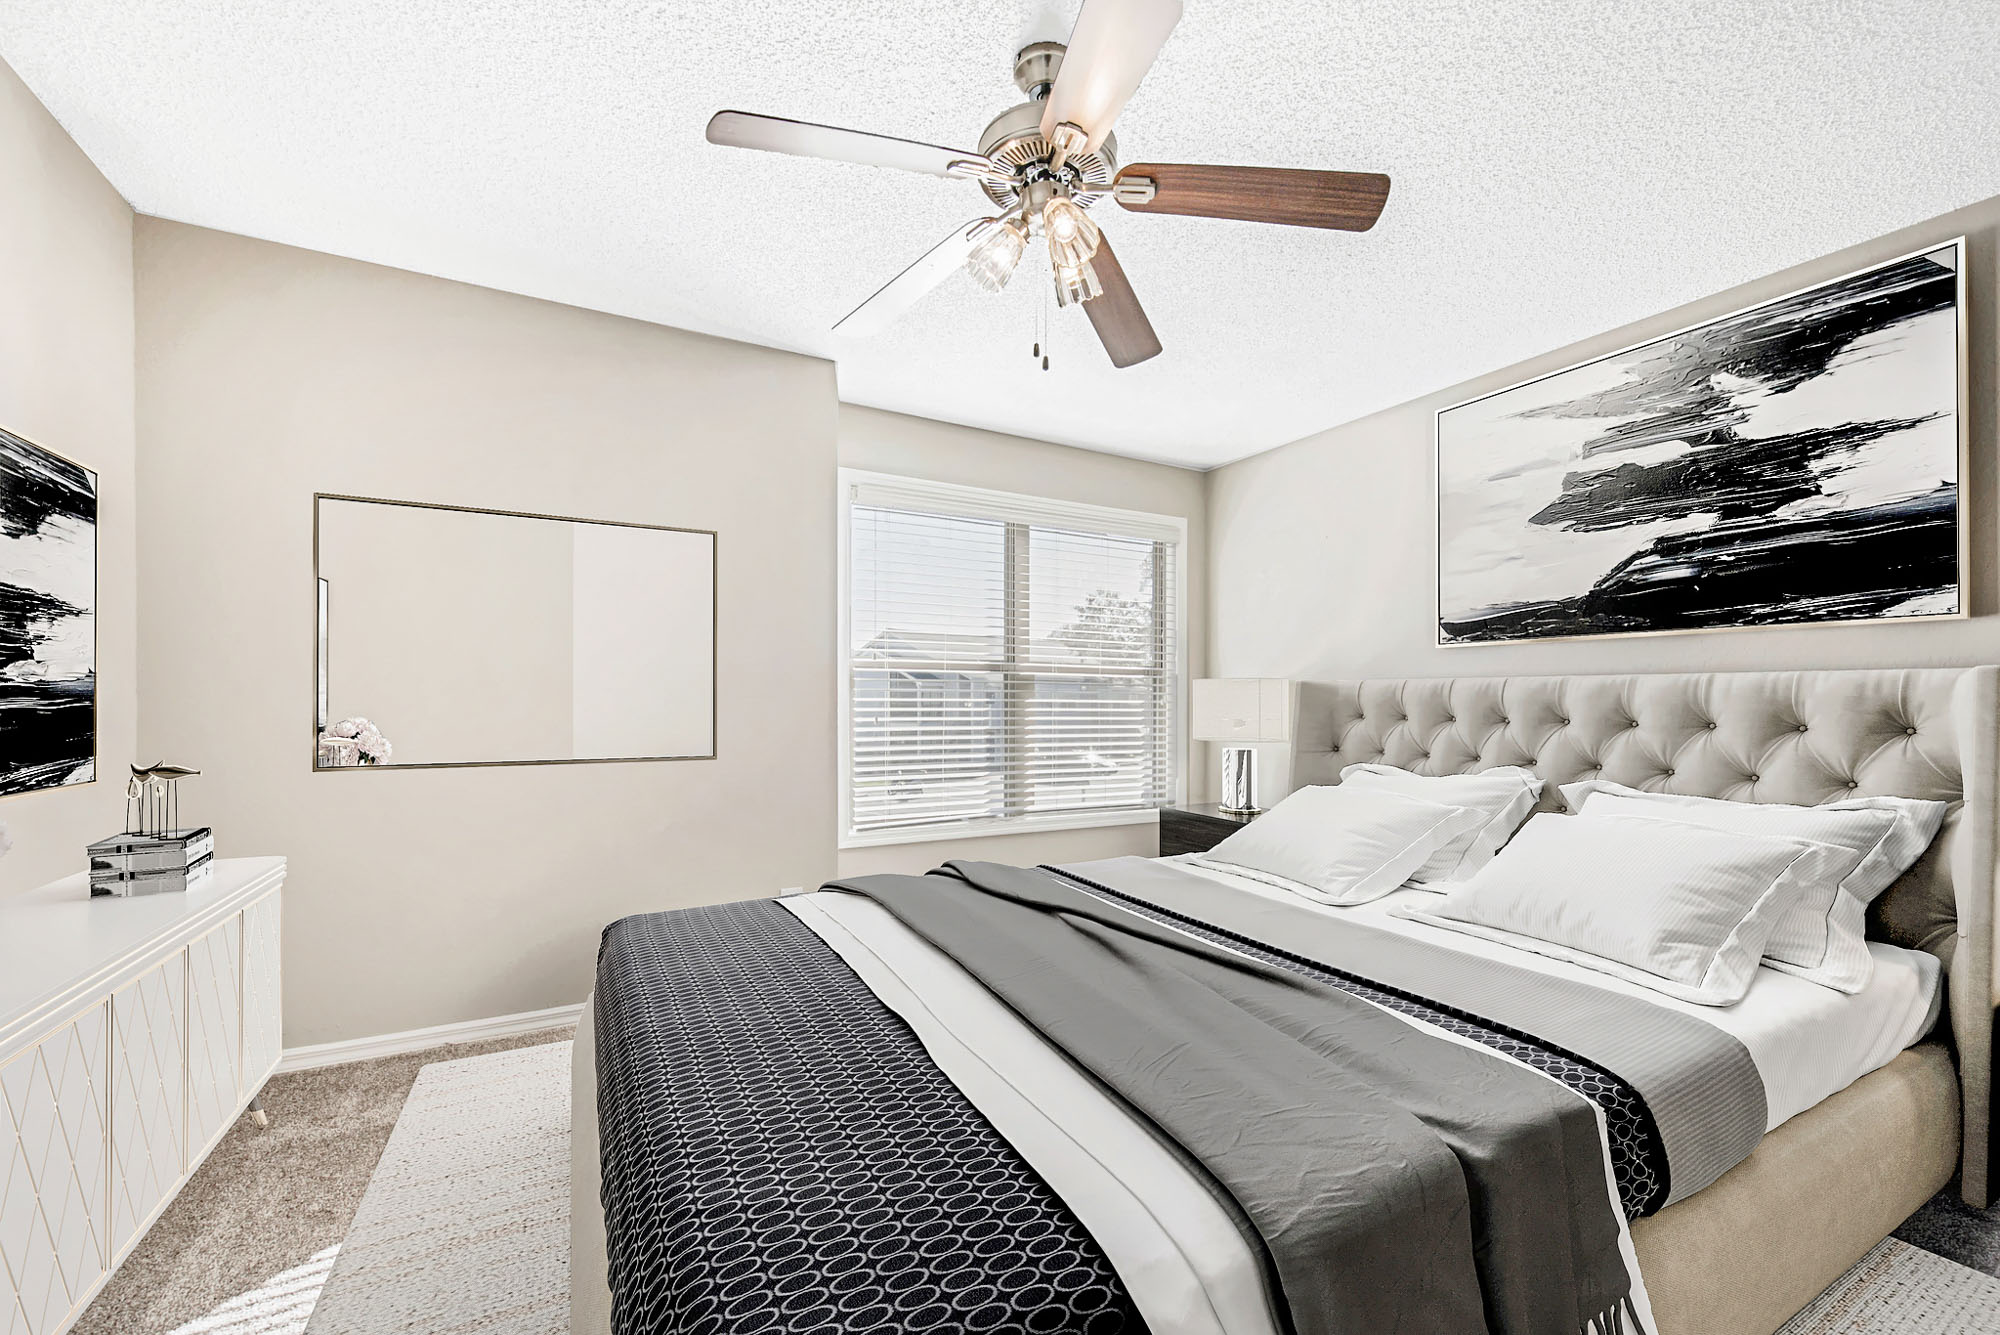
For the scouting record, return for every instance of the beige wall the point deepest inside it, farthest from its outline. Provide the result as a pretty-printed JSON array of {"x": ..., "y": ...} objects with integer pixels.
[
  {"x": 1323, "y": 560},
  {"x": 264, "y": 374},
  {"x": 419, "y": 897},
  {"x": 66, "y": 384},
  {"x": 919, "y": 447}
]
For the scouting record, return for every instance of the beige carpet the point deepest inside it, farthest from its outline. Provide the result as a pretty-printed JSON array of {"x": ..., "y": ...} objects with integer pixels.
[
  {"x": 278, "y": 1306},
  {"x": 267, "y": 1202}
]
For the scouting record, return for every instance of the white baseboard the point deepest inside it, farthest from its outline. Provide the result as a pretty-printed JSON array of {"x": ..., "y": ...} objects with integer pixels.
[{"x": 415, "y": 1040}]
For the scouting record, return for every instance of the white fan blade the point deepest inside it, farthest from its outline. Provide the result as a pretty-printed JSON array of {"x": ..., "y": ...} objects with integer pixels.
[
  {"x": 1112, "y": 46},
  {"x": 908, "y": 287},
  {"x": 774, "y": 134}
]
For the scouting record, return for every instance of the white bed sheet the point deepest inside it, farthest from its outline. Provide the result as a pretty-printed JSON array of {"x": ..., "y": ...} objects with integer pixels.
[{"x": 1808, "y": 1042}]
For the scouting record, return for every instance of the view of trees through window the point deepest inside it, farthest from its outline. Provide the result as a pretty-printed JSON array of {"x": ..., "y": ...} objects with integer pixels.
[{"x": 1005, "y": 669}]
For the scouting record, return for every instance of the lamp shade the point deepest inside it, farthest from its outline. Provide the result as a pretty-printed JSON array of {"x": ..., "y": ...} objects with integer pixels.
[{"x": 1240, "y": 709}]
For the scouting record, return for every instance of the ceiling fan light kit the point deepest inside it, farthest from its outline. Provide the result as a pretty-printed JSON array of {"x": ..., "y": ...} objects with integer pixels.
[
  {"x": 1072, "y": 236},
  {"x": 1014, "y": 139},
  {"x": 1076, "y": 283},
  {"x": 1046, "y": 161},
  {"x": 997, "y": 252}
]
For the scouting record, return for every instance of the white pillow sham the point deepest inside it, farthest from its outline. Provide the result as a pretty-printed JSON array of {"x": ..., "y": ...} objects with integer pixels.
[
  {"x": 1824, "y": 937},
  {"x": 1505, "y": 794},
  {"x": 1341, "y": 845},
  {"x": 1682, "y": 909}
]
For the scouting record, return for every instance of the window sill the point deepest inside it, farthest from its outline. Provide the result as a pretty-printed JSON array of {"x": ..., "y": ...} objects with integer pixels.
[{"x": 1088, "y": 820}]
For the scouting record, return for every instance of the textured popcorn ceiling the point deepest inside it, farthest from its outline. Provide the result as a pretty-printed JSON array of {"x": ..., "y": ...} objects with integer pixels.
[{"x": 1560, "y": 168}]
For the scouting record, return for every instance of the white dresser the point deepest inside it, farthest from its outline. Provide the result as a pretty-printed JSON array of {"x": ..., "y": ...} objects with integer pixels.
[{"x": 132, "y": 1034}]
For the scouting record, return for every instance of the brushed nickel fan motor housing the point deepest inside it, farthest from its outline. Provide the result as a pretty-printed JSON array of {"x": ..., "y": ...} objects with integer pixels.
[
  {"x": 1015, "y": 138},
  {"x": 1036, "y": 66}
]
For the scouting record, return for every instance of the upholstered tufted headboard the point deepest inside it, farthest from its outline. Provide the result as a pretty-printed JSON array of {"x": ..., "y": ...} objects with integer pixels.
[{"x": 1803, "y": 737}]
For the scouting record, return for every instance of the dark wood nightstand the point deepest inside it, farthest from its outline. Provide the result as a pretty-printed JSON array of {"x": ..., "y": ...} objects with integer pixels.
[{"x": 1196, "y": 828}]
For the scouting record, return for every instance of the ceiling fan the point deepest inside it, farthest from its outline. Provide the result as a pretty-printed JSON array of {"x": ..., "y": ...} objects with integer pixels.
[{"x": 1046, "y": 162}]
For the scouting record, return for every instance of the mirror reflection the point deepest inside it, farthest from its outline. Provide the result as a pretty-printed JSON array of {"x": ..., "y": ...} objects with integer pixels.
[{"x": 452, "y": 636}]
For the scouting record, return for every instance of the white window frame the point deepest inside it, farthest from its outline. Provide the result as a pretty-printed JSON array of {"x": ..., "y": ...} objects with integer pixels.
[{"x": 951, "y": 498}]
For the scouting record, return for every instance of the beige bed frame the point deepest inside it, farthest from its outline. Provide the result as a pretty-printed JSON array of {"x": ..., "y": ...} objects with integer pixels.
[{"x": 1743, "y": 1255}]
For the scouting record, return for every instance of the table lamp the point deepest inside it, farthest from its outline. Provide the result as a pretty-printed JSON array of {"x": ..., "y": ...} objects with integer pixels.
[{"x": 1241, "y": 710}]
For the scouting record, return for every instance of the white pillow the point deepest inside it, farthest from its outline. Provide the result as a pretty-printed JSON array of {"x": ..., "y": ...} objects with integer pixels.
[
  {"x": 1506, "y": 795},
  {"x": 1341, "y": 845},
  {"x": 1824, "y": 937},
  {"x": 1682, "y": 909}
]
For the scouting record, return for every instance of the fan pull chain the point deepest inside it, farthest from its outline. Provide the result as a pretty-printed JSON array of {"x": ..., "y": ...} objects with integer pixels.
[
  {"x": 1048, "y": 332},
  {"x": 1042, "y": 312}
]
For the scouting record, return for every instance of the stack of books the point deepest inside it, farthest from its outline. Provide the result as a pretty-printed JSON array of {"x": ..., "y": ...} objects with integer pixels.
[{"x": 151, "y": 864}]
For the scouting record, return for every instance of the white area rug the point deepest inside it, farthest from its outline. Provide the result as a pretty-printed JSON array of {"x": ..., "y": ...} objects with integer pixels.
[
  {"x": 465, "y": 1226},
  {"x": 1898, "y": 1289}
]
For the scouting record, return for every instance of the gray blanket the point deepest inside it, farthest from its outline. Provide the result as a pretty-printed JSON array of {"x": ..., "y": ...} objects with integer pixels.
[
  {"x": 1698, "y": 1081},
  {"x": 1398, "y": 1181}
]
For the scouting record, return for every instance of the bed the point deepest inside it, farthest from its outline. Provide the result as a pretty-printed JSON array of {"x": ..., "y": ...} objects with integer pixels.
[{"x": 1832, "y": 1177}]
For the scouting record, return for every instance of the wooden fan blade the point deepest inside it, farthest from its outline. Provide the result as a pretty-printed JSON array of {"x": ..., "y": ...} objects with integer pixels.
[
  {"x": 1111, "y": 47},
  {"x": 1351, "y": 201},
  {"x": 775, "y": 134},
  {"x": 1115, "y": 313},
  {"x": 910, "y": 286}
]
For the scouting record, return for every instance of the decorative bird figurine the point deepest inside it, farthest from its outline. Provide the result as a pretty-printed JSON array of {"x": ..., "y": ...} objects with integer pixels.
[
  {"x": 135, "y": 802},
  {"x": 158, "y": 802},
  {"x": 171, "y": 772}
]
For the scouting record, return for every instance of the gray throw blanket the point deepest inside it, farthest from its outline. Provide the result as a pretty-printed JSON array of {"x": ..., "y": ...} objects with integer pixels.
[
  {"x": 1398, "y": 1181},
  {"x": 1698, "y": 1082}
]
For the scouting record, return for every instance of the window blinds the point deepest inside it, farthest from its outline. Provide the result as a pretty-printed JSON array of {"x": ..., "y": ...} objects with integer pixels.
[{"x": 1008, "y": 658}]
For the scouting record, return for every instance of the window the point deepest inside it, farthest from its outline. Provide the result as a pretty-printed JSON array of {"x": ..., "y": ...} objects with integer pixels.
[{"x": 1011, "y": 663}]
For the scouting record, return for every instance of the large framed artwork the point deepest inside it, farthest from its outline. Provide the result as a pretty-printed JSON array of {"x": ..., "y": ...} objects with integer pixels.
[
  {"x": 1795, "y": 462},
  {"x": 48, "y": 619}
]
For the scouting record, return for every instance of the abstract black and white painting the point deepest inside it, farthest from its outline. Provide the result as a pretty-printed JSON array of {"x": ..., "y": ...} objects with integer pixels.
[
  {"x": 48, "y": 619},
  {"x": 1794, "y": 462}
]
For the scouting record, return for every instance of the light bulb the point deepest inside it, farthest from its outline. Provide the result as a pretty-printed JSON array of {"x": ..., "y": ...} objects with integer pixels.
[
  {"x": 998, "y": 250},
  {"x": 1075, "y": 283},
  {"x": 1072, "y": 235}
]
